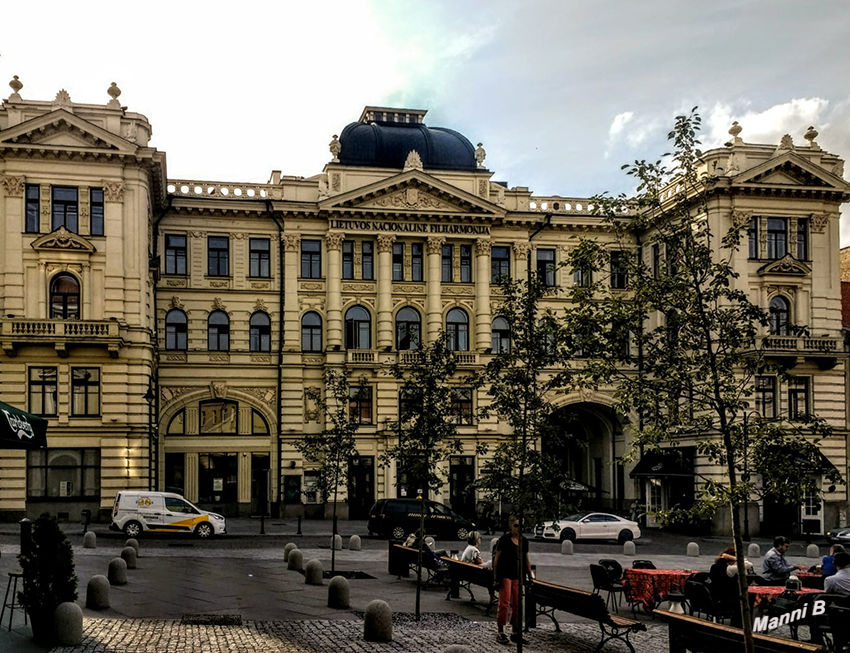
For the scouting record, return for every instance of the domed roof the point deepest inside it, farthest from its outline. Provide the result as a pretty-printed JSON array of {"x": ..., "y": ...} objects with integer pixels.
[{"x": 384, "y": 137}]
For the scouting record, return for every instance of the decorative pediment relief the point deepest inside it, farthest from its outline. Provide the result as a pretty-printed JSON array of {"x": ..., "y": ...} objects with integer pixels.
[
  {"x": 411, "y": 198},
  {"x": 63, "y": 239},
  {"x": 791, "y": 169},
  {"x": 61, "y": 129},
  {"x": 787, "y": 265}
]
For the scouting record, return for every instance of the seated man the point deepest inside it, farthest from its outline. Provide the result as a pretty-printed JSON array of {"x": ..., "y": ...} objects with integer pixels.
[
  {"x": 839, "y": 582},
  {"x": 776, "y": 569}
]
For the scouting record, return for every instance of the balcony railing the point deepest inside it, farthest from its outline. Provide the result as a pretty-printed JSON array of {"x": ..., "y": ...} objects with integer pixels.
[
  {"x": 362, "y": 356},
  {"x": 60, "y": 333},
  {"x": 803, "y": 346}
]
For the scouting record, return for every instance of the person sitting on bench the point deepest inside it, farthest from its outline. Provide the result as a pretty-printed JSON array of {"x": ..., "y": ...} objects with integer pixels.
[{"x": 472, "y": 553}]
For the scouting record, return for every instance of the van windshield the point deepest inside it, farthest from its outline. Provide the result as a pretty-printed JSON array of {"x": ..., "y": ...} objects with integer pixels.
[{"x": 179, "y": 505}]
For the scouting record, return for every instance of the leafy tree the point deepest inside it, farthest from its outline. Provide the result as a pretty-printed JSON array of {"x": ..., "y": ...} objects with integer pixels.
[
  {"x": 696, "y": 342},
  {"x": 427, "y": 426},
  {"x": 333, "y": 448}
]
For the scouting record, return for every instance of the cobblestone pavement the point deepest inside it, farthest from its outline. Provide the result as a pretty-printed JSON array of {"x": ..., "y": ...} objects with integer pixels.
[{"x": 323, "y": 636}]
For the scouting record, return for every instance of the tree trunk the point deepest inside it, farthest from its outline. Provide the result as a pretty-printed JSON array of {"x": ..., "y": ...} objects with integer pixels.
[{"x": 419, "y": 557}]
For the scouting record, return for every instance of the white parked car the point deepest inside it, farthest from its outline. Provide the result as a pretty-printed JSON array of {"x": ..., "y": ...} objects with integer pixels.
[{"x": 588, "y": 526}]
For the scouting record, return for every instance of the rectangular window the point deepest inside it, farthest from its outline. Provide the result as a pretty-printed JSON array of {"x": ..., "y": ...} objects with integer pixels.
[
  {"x": 583, "y": 278},
  {"x": 619, "y": 271},
  {"x": 260, "y": 257},
  {"x": 175, "y": 254},
  {"x": 447, "y": 259},
  {"x": 398, "y": 261},
  {"x": 42, "y": 390},
  {"x": 65, "y": 209},
  {"x": 33, "y": 218},
  {"x": 348, "y": 259},
  {"x": 63, "y": 474},
  {"x": 803, "y": 239},
  {"x": 416, "y": 262},
  {"x": 360, "y": 404},
  {"x": 777, "y": 238},
  {"x": 766, "y": 396},
  {"x": 546, "y": 266},
  {"x": 218, "y": 256},
  {"x": 311, "y": 259},
  {"x": 753, "y": 238},
  {"x": 798, "y": 397},
  {"x": 500, "y": 264},
  {"x": 96, "y": 211},
  {"x": 85, "y": 391},
  {"x": 367, "y": 248},
  {"x": 656, "y": 260},
  {"x": 466, "y": 263},
  {"x": 462, "y": 405}
]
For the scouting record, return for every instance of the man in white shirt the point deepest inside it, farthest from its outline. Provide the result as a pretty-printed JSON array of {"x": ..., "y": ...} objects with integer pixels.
[{"x": 839, "y": 583}]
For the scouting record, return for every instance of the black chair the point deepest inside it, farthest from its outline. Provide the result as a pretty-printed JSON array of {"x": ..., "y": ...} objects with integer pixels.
[
  {"x": 839, "y": 622},
  {"x": 614, "y": 569},
  {"x": 601, "y": 581},
  {"x": 643, "y": 564},
  {"x": 700, "y": 601}
]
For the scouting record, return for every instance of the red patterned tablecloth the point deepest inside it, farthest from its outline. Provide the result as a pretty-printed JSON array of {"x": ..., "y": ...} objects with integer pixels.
[
  {"x": 651, "y": 586},
  {"x": 763, "y": 594}
]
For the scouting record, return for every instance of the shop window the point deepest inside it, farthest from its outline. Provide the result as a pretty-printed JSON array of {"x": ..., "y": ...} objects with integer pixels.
[
  {"x": 311, "y": 332},
  {"x": 42, "y": 391},
  {"x": 175, "y": 254},
  {"x": 219, "y": 417},
  {"x": 218, "y": 477},
  {"x": 96, "y": 211},
  {"x": 260, "y": 332},
  {"x": 408, "y": 329},
  {"x": 218, "y": 331},
  {"x": 176, "y": 330},
  {"x": 85, "y": 391},
  {"x": 64, "y": 297},
  {"x": 175, "y": 473},
  {"x": 63, "y": 474},
  {"x": 259, "y": 258},
  {"x": 457, "y": 330},
  {"x": 65, "y": 209},
  {"x": 218, "y": 256}
]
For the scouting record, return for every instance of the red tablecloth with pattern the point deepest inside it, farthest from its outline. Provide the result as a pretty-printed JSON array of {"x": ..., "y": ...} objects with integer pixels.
[
  {"x": 651, "y": 586},
  {"x": 761, "y": 595}
]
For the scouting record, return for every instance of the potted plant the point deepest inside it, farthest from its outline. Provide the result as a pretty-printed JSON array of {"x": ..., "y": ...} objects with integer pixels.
[{"x": 48, "y": 575}]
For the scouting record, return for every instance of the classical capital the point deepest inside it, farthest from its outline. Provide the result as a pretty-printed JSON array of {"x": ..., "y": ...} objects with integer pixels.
[
  {"x": 522, "y": 249},
  {"x": 333, "y": 241},
  {"x": 435, "y": 244},
  {"x": 819, "y": 222},
  {"x": 741, "y": 218},
  {"x": 113, "y": 191},
  {"x": 385, "y": 244},
  {"x": 483, "y": 247},
  {"x": 291, "y": 242},
  {"x": 14, "y": 185}
]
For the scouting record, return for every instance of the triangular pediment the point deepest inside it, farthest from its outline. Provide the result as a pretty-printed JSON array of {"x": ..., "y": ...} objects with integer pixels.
[
  {"x": 64, "y": 240},
  {"x": 790, "y": 169},
  {"x": 786, "y": 266},
  {"x": 61, "y": 129},
  {"x": 413, "y": 191}
]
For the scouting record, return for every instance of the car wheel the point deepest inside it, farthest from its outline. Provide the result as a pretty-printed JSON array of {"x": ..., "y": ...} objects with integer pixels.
[
  {"x": 568, "y": 534},
  {"x": 462, "y": 533},
  {"x": 132, "y": 529},
  {"x": 204, "y": 530},
  {"x": 625, "y": 536},
  {"x": 398, "y": 533}
]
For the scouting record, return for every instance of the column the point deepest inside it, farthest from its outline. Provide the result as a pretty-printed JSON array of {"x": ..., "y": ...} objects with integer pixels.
[
  {"x": 190, "y": 480},
  {"x": 43, "y": 312},
  {"x": 521, "y": 250},
  {"x": 385, "y": 291},
  {"x": 482, "y": 294},
  {"x": 434, "y": 318},
  {"x": 333, "y": 245},
  {"x": 88, "y": 291},
  {"x": 291, "y": 327}
]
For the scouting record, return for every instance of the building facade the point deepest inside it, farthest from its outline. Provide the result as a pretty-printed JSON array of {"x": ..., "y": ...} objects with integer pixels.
[{"x": 169, "y": 328}]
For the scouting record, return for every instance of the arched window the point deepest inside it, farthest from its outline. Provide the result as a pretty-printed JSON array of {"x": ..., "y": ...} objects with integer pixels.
[
  {"x": 64, "y": 298},
  {"x": 358, "y": 328},
  {"x": 311, "y": 332},
  {"x": 408, "y": 329},
  {"x": 218, "y": 416},
  {"x": 501, "y": 336},
  {"x": 457, "y": 330},
  {"x": 261, "y": 332},
  {"x": 780, "y": 316},
  {"x": 218, "y": 331},
  {"x": 176, "y": 330},
  {"x": 177, "y": 425},
  {"x": 258, "y": 423}
]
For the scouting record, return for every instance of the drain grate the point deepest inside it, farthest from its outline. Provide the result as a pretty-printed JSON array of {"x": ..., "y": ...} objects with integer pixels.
[{"x": 211, "y": 620}]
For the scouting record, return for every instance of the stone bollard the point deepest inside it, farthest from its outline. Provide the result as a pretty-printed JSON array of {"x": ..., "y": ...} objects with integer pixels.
[
  {"x": 68, "y": 622},
  {"x": 812, "y": 551},
  {"x": 296, "y": 560},
  {"x": 378, "y": 622},
  {"x": 693, "y": 549},
  {"x": 117, "y": 573},
  {"x": 566, "y": 548},
  {"x": 754, "y": 551},
  {"x": 90, "y": 540},
  {"x": 97, "y": 593},
  {"x": 493, "y": 544},
  {"x": 354, "y": 543},
  {"x": 289, "y": 548},
  {"x": 128, "y": 554},
  {"x": 628, "y": 549},
  {"x": 133, "y": 542},
  {"x": 430, "y": 542},
  {"x": 313, "y": 573},
  {"x": 339, "y": 593},
  {"x": 457, "y": 648},
  {"x": 336, "y": 542}
]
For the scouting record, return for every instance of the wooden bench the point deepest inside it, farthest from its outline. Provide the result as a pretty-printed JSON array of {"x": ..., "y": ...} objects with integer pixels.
[
  {"x": 701, "y": 636},
  {"x": 403, "y": 559},
  {"x": 545, "y": 598},
  {"x": 464, "y": 574}
]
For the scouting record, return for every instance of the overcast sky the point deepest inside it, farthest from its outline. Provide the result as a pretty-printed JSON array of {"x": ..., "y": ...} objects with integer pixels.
[{"x": 561, "y": 93}]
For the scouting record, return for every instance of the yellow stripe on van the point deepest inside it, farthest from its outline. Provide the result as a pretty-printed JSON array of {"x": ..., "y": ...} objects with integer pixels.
[{"x": 183, "y": 524}]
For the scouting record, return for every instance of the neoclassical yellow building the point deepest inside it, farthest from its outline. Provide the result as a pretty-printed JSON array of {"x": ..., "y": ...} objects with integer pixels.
[{"x": 169, "y": 328}]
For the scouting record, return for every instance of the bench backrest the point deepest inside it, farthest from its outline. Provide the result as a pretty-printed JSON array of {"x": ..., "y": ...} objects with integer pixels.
[
  {"x": 411, "y": 555},
  {"x": 469, "y": 571},
  {"x": 577, "y": 602}
]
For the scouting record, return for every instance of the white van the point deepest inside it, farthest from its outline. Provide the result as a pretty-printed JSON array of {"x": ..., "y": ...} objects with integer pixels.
[{"x": 162, "y": 512}]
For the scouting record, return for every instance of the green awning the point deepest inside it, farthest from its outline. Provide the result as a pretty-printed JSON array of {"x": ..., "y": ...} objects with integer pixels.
[{"x": 20, "y": 430}]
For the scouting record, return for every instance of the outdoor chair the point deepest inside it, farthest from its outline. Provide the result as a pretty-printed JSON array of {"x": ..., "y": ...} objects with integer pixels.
[
  {"x": 602, "y": 581},
  {"x": 614, "y": 569},
  {"x": 643, "y": 564}
]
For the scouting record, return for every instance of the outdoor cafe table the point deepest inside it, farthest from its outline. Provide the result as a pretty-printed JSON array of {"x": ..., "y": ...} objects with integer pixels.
[
  {"x": 761, "y": 595},
  {"x": 651, "y": 586},
  {"x": 811, "y": 579}
]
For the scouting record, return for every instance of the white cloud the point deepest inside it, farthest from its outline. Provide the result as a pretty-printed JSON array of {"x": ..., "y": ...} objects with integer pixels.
[{"x": 768, "y": 126}]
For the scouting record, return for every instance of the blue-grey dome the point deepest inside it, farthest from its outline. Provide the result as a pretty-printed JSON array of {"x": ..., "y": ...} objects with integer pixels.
[{"x": 387, "y": 144}]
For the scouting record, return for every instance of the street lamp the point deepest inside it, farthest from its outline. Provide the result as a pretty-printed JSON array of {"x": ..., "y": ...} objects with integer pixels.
[{"x": 150, "y": 398}]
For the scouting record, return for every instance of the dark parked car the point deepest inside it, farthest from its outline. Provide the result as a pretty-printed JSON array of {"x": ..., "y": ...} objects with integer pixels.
[{"x": 398, "y": 518}]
